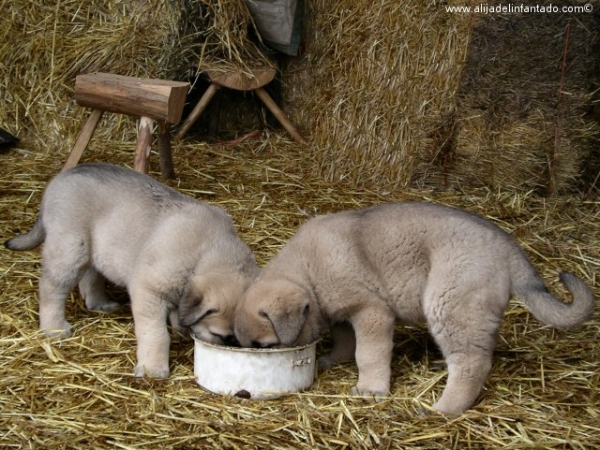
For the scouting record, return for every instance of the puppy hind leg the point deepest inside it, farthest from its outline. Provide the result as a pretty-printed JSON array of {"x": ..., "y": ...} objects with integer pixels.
[
  {"x": 468, "y": 354},
  {"x": 93, "y": 290},
  {"x": 464, "y": 314},
  {"x": 53, "y": 299},
  {"x": 63, "y": 262},
  {"x": 466, "y": 376},
  {"x": 343, "y": 345}
]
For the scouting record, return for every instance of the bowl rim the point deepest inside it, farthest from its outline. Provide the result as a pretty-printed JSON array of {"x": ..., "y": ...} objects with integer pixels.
[{"x": 253, "y": 350}]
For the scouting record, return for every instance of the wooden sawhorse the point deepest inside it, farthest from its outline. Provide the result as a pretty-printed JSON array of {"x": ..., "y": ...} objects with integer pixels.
[
  {"x": 150, "y": 99},
  {"x": 252, "y": 80}
]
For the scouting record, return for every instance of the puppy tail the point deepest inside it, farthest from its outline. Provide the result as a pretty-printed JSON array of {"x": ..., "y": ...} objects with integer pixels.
[
  {"x": 528, "y": 286},
  {"x": 30, "y": 240}
]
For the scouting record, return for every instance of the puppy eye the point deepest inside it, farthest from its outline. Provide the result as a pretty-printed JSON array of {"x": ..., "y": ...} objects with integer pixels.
[
  {"x": 305, "y": 311},
  {"x": 209, "y": 312}
]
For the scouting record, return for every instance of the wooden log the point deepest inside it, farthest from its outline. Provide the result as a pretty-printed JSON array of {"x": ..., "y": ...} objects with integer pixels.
[
  {"x": 164, "y": 151},
  {"x": 144, "y": 143},
  {"x": 157, "y": 99},
  {"x": 83, "y": 139}
]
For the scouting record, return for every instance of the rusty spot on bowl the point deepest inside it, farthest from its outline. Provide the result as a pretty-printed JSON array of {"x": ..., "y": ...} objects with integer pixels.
[{"x": 243, "y": 394}]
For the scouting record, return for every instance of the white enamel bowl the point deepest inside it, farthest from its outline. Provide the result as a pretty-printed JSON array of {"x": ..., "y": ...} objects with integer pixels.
[{"x": 257, "y": 373}]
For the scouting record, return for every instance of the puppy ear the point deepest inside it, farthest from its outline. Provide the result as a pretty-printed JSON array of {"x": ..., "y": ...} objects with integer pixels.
[
  {"x": 190, "y": 308},
  {"x": 288, "y": 322}
]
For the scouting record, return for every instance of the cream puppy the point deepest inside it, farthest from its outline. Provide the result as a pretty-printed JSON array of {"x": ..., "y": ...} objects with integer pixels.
[
  {"x": 407, "y": 262},
  {"x": 176, "y": 256}
]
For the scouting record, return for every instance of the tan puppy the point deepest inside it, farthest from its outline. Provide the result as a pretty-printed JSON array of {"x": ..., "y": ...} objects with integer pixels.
[
  {"x": 410, "y": 262},
  {"x": 176, "y": 256}
]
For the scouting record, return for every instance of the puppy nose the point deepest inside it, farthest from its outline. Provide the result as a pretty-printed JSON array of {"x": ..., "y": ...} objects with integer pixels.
[
  {"x": 231, "y": 341},
  {"x": 257, "y": 344},
  {"x": 226, "y": 339}
]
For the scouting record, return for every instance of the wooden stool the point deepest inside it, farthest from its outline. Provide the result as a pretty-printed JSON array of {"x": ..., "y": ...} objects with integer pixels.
[
  {"x": 149, "y": 99},
  {"x": 254, "y": 80}
]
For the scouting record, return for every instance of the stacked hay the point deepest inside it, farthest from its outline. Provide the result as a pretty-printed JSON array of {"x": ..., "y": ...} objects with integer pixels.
[
  {"x": 375, "y": 78},
  {"x": 399, "y": 93},
  {"x": 522, "y": 118},
  {"x": 393, "y": 93},
  {"x": 44, "y": 46}
]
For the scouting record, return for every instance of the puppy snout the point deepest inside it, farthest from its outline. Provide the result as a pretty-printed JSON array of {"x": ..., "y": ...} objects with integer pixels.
[
  {"x": 231, "y": 341},
  {"x": 256, "y": 344},
  {"x": 226, "y": 339}
]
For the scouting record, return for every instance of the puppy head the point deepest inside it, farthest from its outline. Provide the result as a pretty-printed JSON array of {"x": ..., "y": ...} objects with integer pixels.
[
  {"x": 276, "y": 313},
  {"x": 208, "y": 304}
]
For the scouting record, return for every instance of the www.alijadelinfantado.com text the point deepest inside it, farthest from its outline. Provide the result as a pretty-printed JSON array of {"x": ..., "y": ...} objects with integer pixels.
[{"x": 519, "y": 8}]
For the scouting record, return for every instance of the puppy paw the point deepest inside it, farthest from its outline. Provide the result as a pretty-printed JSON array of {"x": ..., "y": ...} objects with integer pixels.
[
  {"x": 325, "y": 362},
  {"x": 101, "y": 304},
  {"x": 106, "y": 307},
  {"x": 141, "y": 371},
  {"x": 377, "y": 395},
  {"x": 445, "y": 410},
  {"x": 61, "y": 331},
  {"x": 427, "y": 411},
  {"x": 179, "y": 336}
]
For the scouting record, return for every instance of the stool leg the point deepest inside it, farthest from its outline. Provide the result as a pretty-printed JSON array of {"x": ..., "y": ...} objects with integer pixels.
[
  {"x": 198, "y": 109},
  {"x": 83, "y": 139},
  {"x": 164, "y": 150},
  {"x": 278, "y": 113},
  {"x": 144, "y": 143}
]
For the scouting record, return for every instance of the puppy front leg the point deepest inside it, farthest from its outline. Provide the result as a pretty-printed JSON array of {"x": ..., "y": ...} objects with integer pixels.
[
  {"x": 177, "y": 331},
  {"x": 92, "y": 289},
  {"x": 374, "y": 329},
  {"x": 153, "y": 341},
  {"x": 343, "y": 345}
]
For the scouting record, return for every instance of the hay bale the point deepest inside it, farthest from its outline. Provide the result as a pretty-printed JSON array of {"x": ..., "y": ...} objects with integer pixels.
[
  {"x": 374, "y": 78},
  {"x": 228, "y": 38},
  {"x": 521, "y": 119},
  {"x": 516, "y": 155},
  {"x": 394, "y": 92}
]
